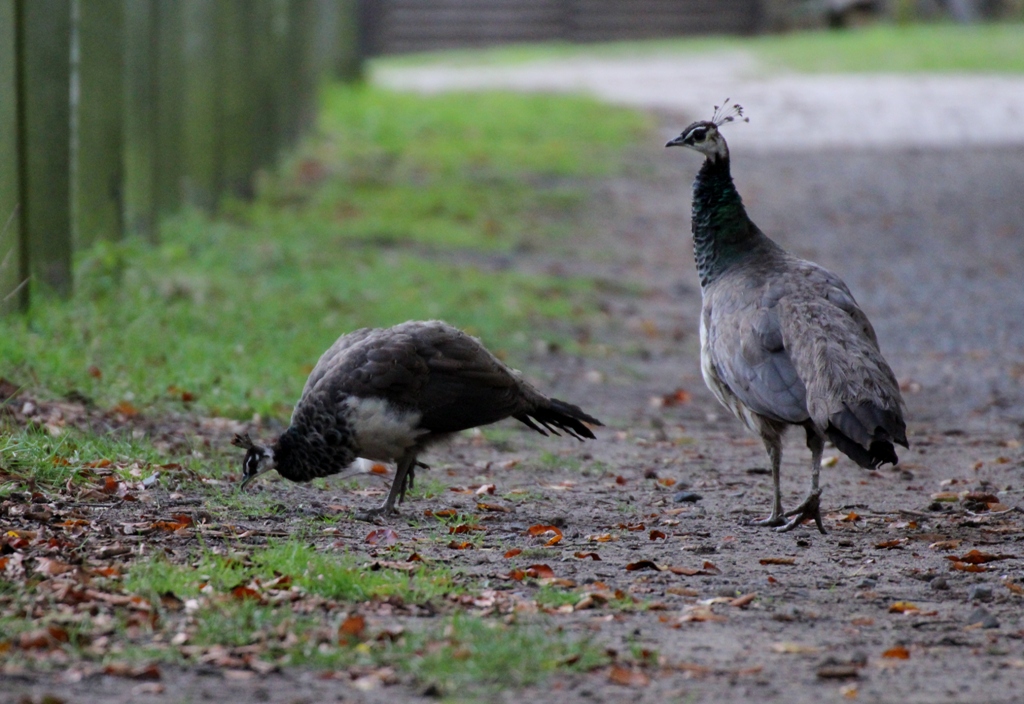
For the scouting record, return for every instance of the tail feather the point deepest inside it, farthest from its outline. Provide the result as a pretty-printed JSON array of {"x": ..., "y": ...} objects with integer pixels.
[
  {"x": 561, "y": 415},
  {"x": 866, "y": 434}
]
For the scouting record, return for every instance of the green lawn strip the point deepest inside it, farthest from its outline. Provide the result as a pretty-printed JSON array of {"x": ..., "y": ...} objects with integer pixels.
[
  {"x": 35, "y": 456},
  {"x": 879, "y": 48},
  {"x": 228, "y": 314}
]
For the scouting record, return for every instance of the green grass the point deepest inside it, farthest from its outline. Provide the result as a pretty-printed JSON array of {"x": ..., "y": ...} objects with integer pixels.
[
  {"x": 330, "y": 575},
  {"x": 879, "y": 48},
  {"x": 228, "y": 315},
  {"x": 32, "y": 455}
]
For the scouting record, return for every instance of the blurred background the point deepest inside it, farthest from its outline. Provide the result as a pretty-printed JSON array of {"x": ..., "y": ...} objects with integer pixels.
[{"x": 197, "y": 196}]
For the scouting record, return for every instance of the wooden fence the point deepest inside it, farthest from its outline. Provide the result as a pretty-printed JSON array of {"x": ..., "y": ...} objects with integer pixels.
[
  {"x": 115, "y": 113},
  {"x": 396, "y": 26}
]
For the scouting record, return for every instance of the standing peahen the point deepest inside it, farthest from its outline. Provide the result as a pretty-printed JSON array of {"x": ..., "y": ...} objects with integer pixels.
[
  {"x": 387, "y": 394},
  {"x": 782, "y": 340}
]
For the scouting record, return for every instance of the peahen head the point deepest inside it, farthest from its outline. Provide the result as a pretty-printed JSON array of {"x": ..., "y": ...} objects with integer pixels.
[
  {"x": 703, "y": 136},
  {"x": 258, "y": 458}
]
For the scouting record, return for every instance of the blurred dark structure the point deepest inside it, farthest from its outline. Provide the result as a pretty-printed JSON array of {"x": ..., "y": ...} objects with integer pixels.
[
  {"x": 399, "y": 26},
  {"x": 116, "y": 113}
]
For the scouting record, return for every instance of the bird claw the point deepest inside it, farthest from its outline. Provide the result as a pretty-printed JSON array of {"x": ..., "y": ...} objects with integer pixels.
[
  {"x": 772, "y": 521},
  {"x": 809, "y": 509},
  {"x": 376, "y": 515}
]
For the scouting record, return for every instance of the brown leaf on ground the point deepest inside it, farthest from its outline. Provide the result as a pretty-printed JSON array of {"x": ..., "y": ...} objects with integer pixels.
[
  {"x": 136, "y": 672},
  {"x": 1014, "y": 587},
  {"x": 538, "y": 530},
  {"x": 674, "y": 398},
  {"x": 851, "y": 517},
  {"x": 741, "y": 602},
  {"x": 967, "y": 567},
  {"x": 444, "y": 513},
  {"x": 602, "y": 538},
  {"x": 52, "y": 567},
  {"x": 512, "y": 553},
  {"x": 126, "y": 409},
  {"x": 642, "y": 565},
  {"x": 351, "y": 630},
  {"x": 627, "y": 676},
  {"x": 903, "y": 607},
  {"x": 43, "y": 638},
  {"x": 976, "y": 557},
  {"x": 243, "y": 592},
  {"x": 494, "y": 507},
  {"x": 382, "y": 536},
  {"x": 777, "y": 560},
  {"x": 459, "y": 545},
  {"x": 945, "y": 545},
  {"x": 657, "y": 535},
  {"x": 591, "y": 555},
  {"x": 540, "y": 572},
  {"x": 890, "y": 544},
  {"x": 897, "y": 652},
  {"x": 465, "y": 528}
]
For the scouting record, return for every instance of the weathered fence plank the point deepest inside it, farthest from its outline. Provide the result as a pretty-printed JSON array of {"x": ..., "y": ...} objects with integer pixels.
[
  {"x": 170, "y": 91},
  {"x": 99, "y": 164},
  {"x": 140, "y": 118},
  {"x": 44, "y": 57},
  {"x": 12, "y": 261},
  {"x": 200, "y": 103}
]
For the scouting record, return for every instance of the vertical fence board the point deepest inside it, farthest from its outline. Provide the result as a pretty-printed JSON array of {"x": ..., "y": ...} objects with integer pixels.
[
  {"x": 266, "y": 40},
  {"x": 169, "y": 161},
  {"x": 98, "y": 167},
  {"x": 200, "y": 100},
  {"x": 12, "y": 262},
  {"x": 140, "y": 118},
  {"x": 44, "y": 55},
  {"x": 237, "y": 102}
]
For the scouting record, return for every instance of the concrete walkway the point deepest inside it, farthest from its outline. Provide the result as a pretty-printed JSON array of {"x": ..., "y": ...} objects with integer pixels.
[{"x": 787, "y": 111}]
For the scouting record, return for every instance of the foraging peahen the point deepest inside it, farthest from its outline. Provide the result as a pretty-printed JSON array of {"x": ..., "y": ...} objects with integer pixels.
[
  {"x": 782, "y": 340},
  {"x": 387, "y": 394}
]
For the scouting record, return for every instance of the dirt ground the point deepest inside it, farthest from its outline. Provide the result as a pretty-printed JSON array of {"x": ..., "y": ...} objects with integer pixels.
[{"x": 931, "y": 241}]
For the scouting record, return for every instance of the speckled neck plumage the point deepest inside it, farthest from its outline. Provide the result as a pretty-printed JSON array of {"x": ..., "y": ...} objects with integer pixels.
[
  {"x": 302, "y": 456},
  {"x": 722, "y": 232}
]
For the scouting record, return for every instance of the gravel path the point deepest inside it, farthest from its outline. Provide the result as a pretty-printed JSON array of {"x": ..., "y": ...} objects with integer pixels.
[{"x": 788, "y": 111}]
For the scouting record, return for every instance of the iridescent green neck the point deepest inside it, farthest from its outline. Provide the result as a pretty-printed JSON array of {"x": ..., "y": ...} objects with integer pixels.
[{"x": 722, "y": 232}]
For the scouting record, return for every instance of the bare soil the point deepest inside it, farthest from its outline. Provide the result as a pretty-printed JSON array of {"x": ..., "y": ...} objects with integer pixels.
[{"x": 932, "y": 244}]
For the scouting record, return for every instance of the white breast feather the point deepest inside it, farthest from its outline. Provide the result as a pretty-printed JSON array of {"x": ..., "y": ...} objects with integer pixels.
[{"x": 382, "y": 433}]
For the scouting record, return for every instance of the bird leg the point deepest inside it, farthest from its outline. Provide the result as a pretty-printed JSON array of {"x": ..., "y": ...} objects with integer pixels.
[
  {"x": 810, "y": 507},
  {"x": 773, "y": 444},
  {"x": 403, "y": 479}
]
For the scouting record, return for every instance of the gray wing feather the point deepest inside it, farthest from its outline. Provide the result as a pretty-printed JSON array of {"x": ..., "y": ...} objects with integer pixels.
[
  {"x": 791, "y": 343},
  {"x": 440, "y": 372}
]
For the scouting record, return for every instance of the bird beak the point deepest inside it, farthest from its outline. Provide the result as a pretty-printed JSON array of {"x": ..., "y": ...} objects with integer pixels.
[
  {"x": 677, "y": 142},
  {"x": 246, "y": 480}
]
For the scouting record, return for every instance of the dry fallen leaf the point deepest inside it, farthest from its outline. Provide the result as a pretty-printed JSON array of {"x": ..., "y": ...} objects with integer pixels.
[
  {"x": 382, "y": 536},
  {"x": 642, "y": 565},
  {"x": 657, "y": 535},
  {"x": 976, "y": 557},
  {"x": 493, "y": 507},
  {"x": 742, "y": 602},
  {"x": 897, "y": 652},
  {"x": 512, "y": 553},
  {"x": 903, "y": 607},
  {"x": 591, "y": 555},
  {"x": 459, "y": 545},
  {"x": 790, "y": 648},
  {"x": 777, "y": 560},
  {"x": 351, "y": 629},
  {"x": 540, "y": 571},
  {"x": 627, "y": 677}
]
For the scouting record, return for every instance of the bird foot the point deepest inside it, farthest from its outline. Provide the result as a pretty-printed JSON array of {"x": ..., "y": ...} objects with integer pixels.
[
  {"x": 809, "y": 509},
  {"x": 772, "y": 521},
  {"x": 376, "y": 515}
]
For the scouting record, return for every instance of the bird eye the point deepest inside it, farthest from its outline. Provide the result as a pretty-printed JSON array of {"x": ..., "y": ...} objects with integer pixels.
[{"x": 699, "y": 134}]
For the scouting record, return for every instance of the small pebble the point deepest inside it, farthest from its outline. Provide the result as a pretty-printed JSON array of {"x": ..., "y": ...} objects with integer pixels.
[
  {"x": 939, "y": 583},
  {"x": 983, "y": 617},
  {"x": 980, "y": 592},
  {"x": 867, "y": 583},
  {"x": 687, "y": 496}
]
